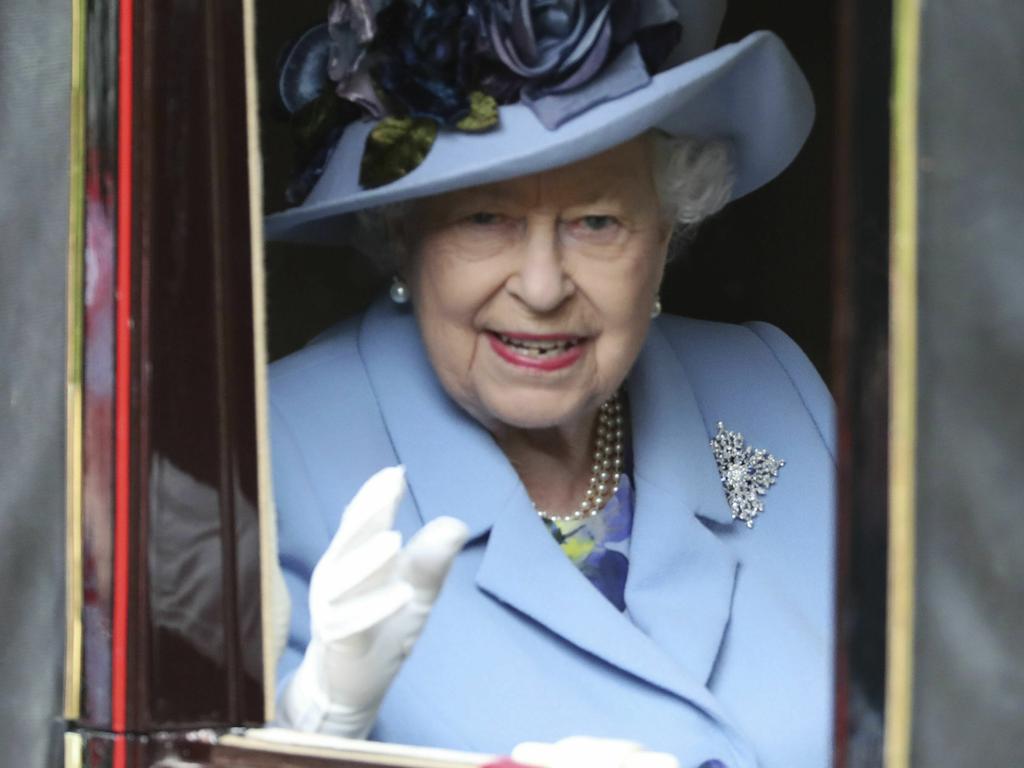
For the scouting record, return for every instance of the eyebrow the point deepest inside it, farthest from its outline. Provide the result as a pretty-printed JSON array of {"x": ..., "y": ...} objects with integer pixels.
[{"x": 484, "y": 195}]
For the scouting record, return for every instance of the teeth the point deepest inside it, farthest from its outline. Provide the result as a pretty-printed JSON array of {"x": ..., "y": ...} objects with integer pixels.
[
  {"x": 537, "y": 347},
  {"x": 530, "y": 344}
]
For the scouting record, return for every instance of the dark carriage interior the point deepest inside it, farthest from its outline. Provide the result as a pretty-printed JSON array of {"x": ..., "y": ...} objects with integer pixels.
[
  {"x": 808, "y": 252},
  {"x": 765, "y": 257}
]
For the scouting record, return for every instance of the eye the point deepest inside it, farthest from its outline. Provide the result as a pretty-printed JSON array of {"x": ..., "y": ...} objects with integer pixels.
[
  {"x": 596, "y": 229},
  {"x": 483, "y": 218},
  {"x": 598, "y": 223}
]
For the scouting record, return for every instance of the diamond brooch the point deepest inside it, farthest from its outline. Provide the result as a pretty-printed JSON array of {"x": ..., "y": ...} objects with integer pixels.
[{"x": 747, "y": 473}]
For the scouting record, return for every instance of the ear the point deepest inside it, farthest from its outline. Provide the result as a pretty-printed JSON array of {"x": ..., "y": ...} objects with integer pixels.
[{"x": 666, "y": 235}]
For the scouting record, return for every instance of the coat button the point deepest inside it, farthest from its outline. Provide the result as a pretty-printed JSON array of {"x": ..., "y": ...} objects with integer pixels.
[{"x": 712, "y": 764}]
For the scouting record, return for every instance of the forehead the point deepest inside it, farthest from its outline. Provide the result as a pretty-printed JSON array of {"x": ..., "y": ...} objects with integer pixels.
[{"x": 623, "y": 172}]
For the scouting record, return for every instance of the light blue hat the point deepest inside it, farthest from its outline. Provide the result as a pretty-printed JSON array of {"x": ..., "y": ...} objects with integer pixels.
[{"x": 750, "y": 94}]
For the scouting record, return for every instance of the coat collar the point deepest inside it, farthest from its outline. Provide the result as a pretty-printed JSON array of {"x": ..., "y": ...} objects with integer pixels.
[
  {"x": 682, "y": 575},
  {"x": 681, "y": 579},
  {"x": 525, "y": 569},
  {"x": 672, "y": 449},
  {"x": 453, "y": 466}
]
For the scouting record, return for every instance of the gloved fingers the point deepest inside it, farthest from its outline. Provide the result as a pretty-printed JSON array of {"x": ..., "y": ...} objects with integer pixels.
[
  {"x": 425, "y": 561},
  {"x": 573, "y": 751},
  {"x": 371, "y": 510},
  {"x": 587, "y": 744},
  {"x": 647, "y": 759},
  {"x": 343, "y": 575},
  {"x": 347, "y": 627},
  {"x": 592, "y": 752}
]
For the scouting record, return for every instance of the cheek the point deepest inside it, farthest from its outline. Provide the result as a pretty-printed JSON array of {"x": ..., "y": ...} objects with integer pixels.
[
  {"x": 624, "y": 298},
  {"x": 433, "y": 283},
  {"x": 625, "y": 290},
  {"x": 446, "y": 292},
  {"x": 447, "y": 297}
]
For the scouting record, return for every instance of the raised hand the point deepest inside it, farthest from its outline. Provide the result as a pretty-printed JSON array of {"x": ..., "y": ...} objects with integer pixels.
[{"x": 368, "y": 599}]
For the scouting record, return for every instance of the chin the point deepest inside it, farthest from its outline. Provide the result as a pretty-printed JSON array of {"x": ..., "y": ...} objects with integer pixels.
[
  {"x": 538, "y": 420},
  {"x": 537, "y": 409}
]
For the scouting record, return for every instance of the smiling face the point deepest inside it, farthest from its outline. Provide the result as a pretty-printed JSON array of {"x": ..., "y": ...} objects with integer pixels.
[{"x": 534, "y": 295}]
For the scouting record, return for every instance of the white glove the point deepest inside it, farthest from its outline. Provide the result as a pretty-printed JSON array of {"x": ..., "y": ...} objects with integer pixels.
[
  {"x": 368, "y": 602},
  {"x": 590, "y": 752}
]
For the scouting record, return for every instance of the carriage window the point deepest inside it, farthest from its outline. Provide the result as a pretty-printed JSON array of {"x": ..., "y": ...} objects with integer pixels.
[
  {"x": 611, "y": 393},
  {"x": 807, "y": 253}
]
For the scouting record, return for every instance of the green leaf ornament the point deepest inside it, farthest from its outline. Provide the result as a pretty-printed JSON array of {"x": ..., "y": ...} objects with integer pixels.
[
  {"x": 483, "y": 113},
  {"x": 396, "y": 146}
]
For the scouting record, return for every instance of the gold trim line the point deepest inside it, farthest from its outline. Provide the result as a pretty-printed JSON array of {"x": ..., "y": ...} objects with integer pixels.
[
  {"x": 271, "y": 583},
  {"x": 903, "y": 393},
  {"x": 72, "y": 746},
  {"x": 74, "y": 366}
]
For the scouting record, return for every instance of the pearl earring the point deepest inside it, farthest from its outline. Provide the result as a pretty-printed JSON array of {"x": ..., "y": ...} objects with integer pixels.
[
  {"x": 399, "y": 290},
  {"x": 656, "y": 309}
]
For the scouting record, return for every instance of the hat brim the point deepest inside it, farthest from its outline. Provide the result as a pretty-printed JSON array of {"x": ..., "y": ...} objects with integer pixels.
[{"x": 751, "y": 94}]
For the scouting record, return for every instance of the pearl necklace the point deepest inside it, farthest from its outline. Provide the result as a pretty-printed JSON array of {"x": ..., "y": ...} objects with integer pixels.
[{"x": 606, "y": 471}]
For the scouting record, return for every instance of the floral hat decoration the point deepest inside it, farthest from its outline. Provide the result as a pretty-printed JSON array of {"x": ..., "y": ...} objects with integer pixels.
[{"x": 396, "y": 99}]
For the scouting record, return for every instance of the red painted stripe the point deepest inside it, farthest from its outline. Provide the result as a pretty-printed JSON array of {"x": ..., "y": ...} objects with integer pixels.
[
  {"x": 120, "y": 753},
  {"x": 122, "y": 485}
]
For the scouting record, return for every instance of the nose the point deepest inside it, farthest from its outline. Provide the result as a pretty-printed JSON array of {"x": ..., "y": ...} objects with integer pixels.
[{"x": 540, "y": 280}]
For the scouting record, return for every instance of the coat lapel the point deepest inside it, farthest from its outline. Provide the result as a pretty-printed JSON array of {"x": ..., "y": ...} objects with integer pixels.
[
  {"x": 680, "y": 582},
  {"x": 525, "y": 569},
  {"x": 681, "y": 578}
]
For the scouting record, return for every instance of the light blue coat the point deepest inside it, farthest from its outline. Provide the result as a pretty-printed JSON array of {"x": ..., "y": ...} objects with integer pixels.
[{"x": 725, "y": 651}]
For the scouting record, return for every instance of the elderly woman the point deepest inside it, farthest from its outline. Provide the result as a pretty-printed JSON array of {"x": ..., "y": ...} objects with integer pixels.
[{"x": 582, "y": 475}]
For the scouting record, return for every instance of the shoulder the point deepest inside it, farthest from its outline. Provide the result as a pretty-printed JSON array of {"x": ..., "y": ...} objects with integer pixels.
[
  {"x": 756, "y": 362},
  {"x": 334, "y": 352},
  {"x": 323, "y": 383},
  {"x": 326, "y": 430}
]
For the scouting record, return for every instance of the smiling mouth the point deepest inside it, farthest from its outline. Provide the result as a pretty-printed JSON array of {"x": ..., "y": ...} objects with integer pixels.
[
  {"x": 549, "y": 352},
  {"x": 539, "y": 346}
]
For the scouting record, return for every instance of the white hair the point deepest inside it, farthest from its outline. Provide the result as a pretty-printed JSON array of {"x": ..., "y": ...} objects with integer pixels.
[{"x": 693, "y": 179}]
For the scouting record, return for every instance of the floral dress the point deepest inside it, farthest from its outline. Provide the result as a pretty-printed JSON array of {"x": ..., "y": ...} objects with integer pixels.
[{"x": 599, "y": 545}]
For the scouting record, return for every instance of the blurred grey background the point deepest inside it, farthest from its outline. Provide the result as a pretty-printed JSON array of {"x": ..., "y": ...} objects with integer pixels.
[
  {"x": 35, "y": 55},
  {"x": 969, "y": 676}
]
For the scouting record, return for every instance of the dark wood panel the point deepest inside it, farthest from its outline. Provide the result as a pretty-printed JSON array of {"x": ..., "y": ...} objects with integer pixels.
[
  {"x": 860, "y": 345},
  {"x": 180, "y": 551},
  {"x": 199, "y": 640}
]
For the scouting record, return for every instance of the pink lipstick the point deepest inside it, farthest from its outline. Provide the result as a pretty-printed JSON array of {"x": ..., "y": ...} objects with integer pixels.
[{"x": 540, "y": 352}]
